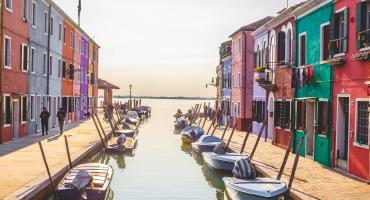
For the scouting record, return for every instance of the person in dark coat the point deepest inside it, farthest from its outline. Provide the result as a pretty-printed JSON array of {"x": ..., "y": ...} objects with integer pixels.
[
  {"x": 61, "y": 117},
  {"x": 44, "y": 115}
]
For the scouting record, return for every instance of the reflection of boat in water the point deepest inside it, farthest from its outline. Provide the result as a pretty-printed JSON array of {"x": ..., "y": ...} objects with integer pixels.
[
  {"x": 186, "y": 148},
  {"x": 214, "y": 178},
  {"x": 198, "y": 157}
]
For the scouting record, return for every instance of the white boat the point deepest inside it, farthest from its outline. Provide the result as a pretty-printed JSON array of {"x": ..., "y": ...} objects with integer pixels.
[
  {"x": 221, "y": 161},
  {"x": 206, "y": 143},
  {"x": 259, "y": 188}
]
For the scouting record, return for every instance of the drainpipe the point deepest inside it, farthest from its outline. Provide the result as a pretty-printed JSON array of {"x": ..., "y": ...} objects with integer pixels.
[
  {"x": 1, "y": 63},
  {"x": 48, "y": 58},
  {"x": 245, "y": 75}
]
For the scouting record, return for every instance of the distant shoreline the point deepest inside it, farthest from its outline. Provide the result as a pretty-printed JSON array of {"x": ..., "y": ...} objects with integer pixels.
[{"x": 162, "y": 97}]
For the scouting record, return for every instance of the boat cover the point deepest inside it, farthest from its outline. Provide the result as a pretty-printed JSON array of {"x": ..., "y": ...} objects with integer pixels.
[
  {"x": 82, "y": 180},
  {"x": 208, "y": 138},
  {"x": 220, "y": 148},
  {"x": 263, "y": 187},
  {"x": 244, "y": 169},
  {"x": 187, "y": 132},
  {"x": 181, "y": 121},
  {"x": 121, "y": 140},
  {"x": 226, "y": 157}
]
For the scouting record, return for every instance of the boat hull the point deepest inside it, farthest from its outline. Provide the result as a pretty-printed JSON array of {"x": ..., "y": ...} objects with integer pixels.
[
  {"x": 200, "y": 148},
  {"x": 225, "y": 162},
  {"x": 186, "y": 140}
]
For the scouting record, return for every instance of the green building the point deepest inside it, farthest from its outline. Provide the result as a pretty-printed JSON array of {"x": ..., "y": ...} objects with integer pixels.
[{"x": 312, "y": 111}]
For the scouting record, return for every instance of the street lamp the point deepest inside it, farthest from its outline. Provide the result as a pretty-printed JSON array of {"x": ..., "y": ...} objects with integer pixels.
[{"x": 130, "y": 95}]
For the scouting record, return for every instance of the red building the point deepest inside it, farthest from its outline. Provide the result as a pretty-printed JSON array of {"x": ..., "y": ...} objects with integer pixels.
[
  {"x": 15, "y": 63},
  {"x": 350, "y": 43}
]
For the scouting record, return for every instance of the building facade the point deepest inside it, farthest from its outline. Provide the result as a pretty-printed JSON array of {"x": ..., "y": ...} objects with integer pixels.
[{"x": 225, "y": 53}]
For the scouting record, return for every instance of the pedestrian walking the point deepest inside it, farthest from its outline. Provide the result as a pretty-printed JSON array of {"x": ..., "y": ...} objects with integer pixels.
[
  {"x": 44, "y": 115},
  {"x": 61, "y": 117}
]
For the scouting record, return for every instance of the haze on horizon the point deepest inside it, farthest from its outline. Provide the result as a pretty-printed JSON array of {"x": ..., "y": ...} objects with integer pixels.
[{"x": 164, "y": 47}]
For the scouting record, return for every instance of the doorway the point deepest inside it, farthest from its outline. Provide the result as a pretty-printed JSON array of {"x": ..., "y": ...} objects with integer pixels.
[
  {"x": 342, "y": 132},
  {"x": 270, "y": 128},
  {"x": 15, "y": 118},
  {"x": 310, "y": 130}
]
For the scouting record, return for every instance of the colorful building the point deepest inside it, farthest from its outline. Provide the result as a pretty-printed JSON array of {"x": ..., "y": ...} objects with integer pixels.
[
  {"x": 38, "y": 66},
  {"x": 242, "y": 74},
  {"x": 225, "y": 56},
  {"x": 312, "y": 81},
  {"x": 349, "y": 48}
]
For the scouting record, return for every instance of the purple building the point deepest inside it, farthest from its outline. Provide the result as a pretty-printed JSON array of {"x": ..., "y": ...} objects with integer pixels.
[{"x": 84, "y": 82}]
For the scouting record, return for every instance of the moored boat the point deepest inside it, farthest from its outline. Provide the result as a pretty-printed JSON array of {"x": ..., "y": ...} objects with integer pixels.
[
  {"x": 206, "y": 143},
  {"x": 221, "y": 161},
  {"x": 87, "y": 181},
  {"x": 127, "y": 133},
  {"x": 191, "y": 133},
  {"x": 181, "y": 123},
  {"x": 127, "y": 147}
]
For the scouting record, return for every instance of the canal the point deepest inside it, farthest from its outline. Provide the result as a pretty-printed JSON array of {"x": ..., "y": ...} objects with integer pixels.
[{"x": 162, "y": 168}]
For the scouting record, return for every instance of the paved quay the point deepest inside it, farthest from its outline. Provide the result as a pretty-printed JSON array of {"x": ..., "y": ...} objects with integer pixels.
[
  {"x": 312, "y": 180},
  {"x": 23, "y": 174}
]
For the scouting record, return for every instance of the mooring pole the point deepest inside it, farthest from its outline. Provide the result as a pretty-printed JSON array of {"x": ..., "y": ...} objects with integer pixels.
[
  {"x": 218, "y": 122},
  {"x": 231, "y": 135},
  {"x": 296, "y": 159},
  {"x": 97, "y": 128},
  {"x": 225, "y": 129},
  {"x": 258, "y": 139},
  {"x": 68, "y": 153},
  {"x": 101, "y": 128},
  {"x": 110, "y": 121},
  {"x": 200, "y": 120},
  {"x": 287, "y": 152},
  {"x": 204, "y": 122},
  {"x": 47, "y": 168},
  {"x": 249, "y": 130}
]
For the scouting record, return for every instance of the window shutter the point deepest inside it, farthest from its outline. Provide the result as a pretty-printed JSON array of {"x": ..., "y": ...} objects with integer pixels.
[
  {"x": 267, "y": 57},
  {"x": 358, "y": 24},
  {"x": 332, "y": 35},
  {"x": 287, "y": 114},
  {"x": 345, "y": 40},
  {"x": 276, "y": 113},
  {"x": 255, "y": 59}
]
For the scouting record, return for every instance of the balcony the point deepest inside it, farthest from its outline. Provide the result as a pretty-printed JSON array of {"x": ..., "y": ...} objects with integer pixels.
[
  {"x": 337, "y": 46},
  {"x": 265, "y": 79},
  {"x": 363, "y": 39}
]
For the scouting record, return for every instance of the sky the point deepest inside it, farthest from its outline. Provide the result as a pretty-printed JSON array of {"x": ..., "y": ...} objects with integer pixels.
[{"x": 164, "y": 47}]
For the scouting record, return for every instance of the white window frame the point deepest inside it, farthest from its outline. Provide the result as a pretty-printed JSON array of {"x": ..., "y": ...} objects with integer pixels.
[
  {"x": 45, "y": 63},
  {"x": 25, "y": 18},
  {"x": 32, "y": 107},
  {"x": 299, "y": 47},
  {"x": 64, "y": 35},
  {"x": 59, "y": 68},
  {"x": 9, "y": 7},
  {"x": 46, "y": 22},
  {"x": 322, "y": 40},
  {"x": 51, "y": 58},
  {"x": 60, "y": 27},
  {"x": 34, "y": 14},
  {"x": 21, "y": 110},
  {"x": 355, "y": 143},
  {"x": 22, "y": 57},
  {"x": 10, "y": 51},
  {"x": 11, "y": 106},
  {"x": 32, "y": 58},
  {"x": 51, "y": 26}
]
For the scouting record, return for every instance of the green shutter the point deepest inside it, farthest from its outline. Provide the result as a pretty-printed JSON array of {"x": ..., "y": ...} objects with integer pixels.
[
  {"x": 332, "y": 34},
  {"x": 358, "y": 24},
  {"x": 345, "y": 40}
]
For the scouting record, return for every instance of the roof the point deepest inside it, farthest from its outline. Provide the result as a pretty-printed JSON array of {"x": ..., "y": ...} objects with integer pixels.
[
  {"x": 103, "y": 84},
  {"x": 253, "y": 26}
]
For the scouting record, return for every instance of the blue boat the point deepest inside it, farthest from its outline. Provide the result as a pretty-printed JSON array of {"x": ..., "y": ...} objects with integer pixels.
[
  {"x": 206, "y": 143},
  {"x": 87, "y": 181},
  {"x": 181, "y": 123},
  {"x": 191, "y": 134},
  {"x": 223, "y": 162}
]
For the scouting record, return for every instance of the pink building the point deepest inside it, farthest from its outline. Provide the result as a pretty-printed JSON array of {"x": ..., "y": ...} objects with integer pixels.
[{"x": 242, "y": 74}]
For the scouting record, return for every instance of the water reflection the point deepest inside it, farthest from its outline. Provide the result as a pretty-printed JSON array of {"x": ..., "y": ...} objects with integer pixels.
[
  {"x": 198, "y": 157},
  {"x": 105, "y": 158},
  {"x": 186, "y": 148}
]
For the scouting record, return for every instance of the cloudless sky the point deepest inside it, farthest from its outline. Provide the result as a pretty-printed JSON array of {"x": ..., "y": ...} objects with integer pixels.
[{"x": 164, "y": 47}]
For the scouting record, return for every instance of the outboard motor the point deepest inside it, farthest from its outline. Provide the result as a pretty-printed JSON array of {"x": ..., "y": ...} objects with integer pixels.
[{"x": 244, "y": 169}]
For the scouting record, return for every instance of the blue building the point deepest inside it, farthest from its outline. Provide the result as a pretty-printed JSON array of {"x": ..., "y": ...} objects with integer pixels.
[{"x": 225, "y": 65}]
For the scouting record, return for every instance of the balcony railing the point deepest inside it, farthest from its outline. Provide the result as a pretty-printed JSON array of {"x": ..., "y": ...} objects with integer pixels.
[
  {"x": 336, "y": 46},
  {"x": 363, "y": 38}
]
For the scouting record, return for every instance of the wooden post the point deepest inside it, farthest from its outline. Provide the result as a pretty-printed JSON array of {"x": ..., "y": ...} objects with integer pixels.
[
  {"x": 258, "y": 139},
  {"x": 223, "y": 134},
  {"x": 101, "y": 127},
  {"x": 200, "y": 120},
  {"x": 249, "y": 130},
  {"x": 97, "y": 128},
  {"x": 47, "y": 168},
  {"x": 231, "y": 135},
  {"x": 285, "y": 158},
  {"x": 296, "y": 159},
  {"x": 68, "y": 153},
  {"x": 140, "y": 102},
  {"x": 204, "y": 123},
  {"x": 110, "y": 121},
  {"x": 218, "y": 122}
]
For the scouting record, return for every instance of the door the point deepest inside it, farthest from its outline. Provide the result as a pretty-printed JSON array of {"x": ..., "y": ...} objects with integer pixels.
[
  {"x": 310, "y": 130},
  {"x": 15, "y": 118},
  {"x": 38, "y": 110},
  {"x": 270, "y": 127},
  {"x": 342, "y": 132}
]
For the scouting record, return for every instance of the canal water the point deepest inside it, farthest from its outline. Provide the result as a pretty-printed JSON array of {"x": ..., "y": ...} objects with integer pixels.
[{"x": 162, "y": 168}]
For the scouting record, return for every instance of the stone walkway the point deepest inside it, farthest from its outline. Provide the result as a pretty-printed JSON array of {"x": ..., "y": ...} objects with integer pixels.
[
  {"x": 312, "y": 180},
  {"x": 22, "y": 169}
]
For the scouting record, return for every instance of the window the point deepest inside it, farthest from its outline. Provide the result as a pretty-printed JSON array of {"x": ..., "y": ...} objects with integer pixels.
[
  {"x": 34, "y": 14},
  {"x": 363, "y": 24},
  {"x": 32, "y": 106},
  {"x": 338, "y": 41},
  {"x": 45, "y": 64},
  {"x": 282, "y": 114},
  {"x": 239, "y": 79},
  {"x": 24, "y": 62},
  {"x": 233, "y": 81},
  {"x": 50, "y": 65},
  {"x": 45, "y": 23},
  {"x": 258, "y": 111},
  {"x": 323, "y": 118},
  {"x": 60, "y": 32},
  {"x": 9, "y": 5},
  {"x": 64, "y": 35},
  {"x": 325, "y": 34},
  {"x": 64, "y": 69},
  {"x": 33, "y": 57},
  {"x": 51, "y": 26},
  {"x": 281, "y": 46},
  {"x": 300, "y": 115},
  {"x": 25, "y": 10},
  {"x": 71, "y": 40},
  {"x": 24, "y": 108},
  {"x": 59, "y": 68},
  {"x": 71, "y": 72},
  {"x": 362, "y": 122},
  {"x": 239, "y": 45},
  {"x": 7, "y": 108},
  {"x": 7, "y": 52},
  {"x": 289, "y": 46},
  {"x": 302, "y": 50}
]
